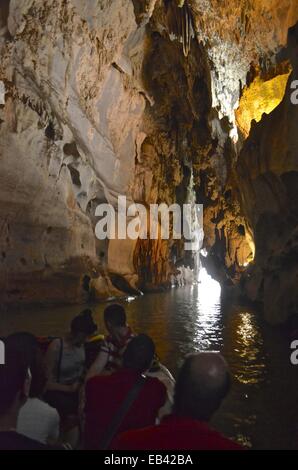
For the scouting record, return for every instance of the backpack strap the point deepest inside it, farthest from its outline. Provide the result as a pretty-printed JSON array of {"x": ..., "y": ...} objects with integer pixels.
[{"x": 121, "y": 412}]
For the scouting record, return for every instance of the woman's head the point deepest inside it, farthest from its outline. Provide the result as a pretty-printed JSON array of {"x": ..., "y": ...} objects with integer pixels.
[{"x": 82, "y": 326}]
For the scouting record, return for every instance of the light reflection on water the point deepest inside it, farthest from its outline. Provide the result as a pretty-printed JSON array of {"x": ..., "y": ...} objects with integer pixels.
[
  {"x": 208, "y": 331},
  {"x": 248, "y": 346},
  {"x": 189, "y": 319}
]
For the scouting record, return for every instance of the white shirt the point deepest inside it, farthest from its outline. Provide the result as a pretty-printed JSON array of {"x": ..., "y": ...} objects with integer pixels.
[{"x": 37, "y": 420}]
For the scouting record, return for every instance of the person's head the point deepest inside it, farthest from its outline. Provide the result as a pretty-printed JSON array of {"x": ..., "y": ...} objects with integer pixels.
[
  {"x": 114, "y": 317},
  {"x": 82, "y": 326},
  {"x": 139, "y": 353},
  {"x": 26, "y": 344},
  {"x": 15, "y": 382},
  {"x": 202, "y": 384}
]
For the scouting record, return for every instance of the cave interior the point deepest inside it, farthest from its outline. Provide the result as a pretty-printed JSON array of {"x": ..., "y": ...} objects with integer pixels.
[{"x": 163, "y": 101}]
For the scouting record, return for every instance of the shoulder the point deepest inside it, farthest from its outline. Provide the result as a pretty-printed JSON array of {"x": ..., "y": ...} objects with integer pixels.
[
  {"x": 55, "y": 345},
  {"x": 155, "y": 383},
  {"x": 48, "y": 410},
  {"x": 165, "y": 377},
  {"x": 155, "y": 389},
  {"x": 96, "y": 381},
  {"x": 40, "y": 407}
]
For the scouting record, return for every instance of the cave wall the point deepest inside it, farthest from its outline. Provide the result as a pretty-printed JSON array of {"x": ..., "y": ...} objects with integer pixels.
[
  {"x": 237, "y": 34},
  {"x": 69, "y": 122},
  {"x": 268, "y": 178}
]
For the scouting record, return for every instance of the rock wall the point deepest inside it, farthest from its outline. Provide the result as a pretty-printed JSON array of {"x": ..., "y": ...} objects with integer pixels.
[
  {"x": 268, "y": 178},
  {"x": 101, "y": 98},
  {"x": 69, "y": 122},
  {"x": 238, "y": 34}
]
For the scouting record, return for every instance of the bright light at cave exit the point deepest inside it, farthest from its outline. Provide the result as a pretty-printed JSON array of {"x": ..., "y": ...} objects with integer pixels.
[{"x": 209, "y": 289}]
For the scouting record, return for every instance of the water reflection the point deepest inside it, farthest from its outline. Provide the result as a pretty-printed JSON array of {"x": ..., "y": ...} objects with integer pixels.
[
  {"x": 248, "y": 361},
  {"x": 189, "y": 319},
  {"x": 208, "y": 334}
]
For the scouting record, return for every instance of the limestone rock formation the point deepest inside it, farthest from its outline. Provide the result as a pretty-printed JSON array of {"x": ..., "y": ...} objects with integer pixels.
[
  {"x": 268, "y": 178},
  {"x": 101, "y": 98},
  {"x": 69, "y": 125},
  {"x": 239, "y": 33}
]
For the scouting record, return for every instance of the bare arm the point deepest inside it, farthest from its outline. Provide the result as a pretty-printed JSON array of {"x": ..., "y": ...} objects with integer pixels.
[
  {"x": 98, "y": 365},
  {"x": 52, "y": 358}
]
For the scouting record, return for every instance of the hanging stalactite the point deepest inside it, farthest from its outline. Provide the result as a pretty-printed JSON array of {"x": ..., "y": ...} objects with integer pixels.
[
  {"x": 180, "y": 23},
  {"x": 186, "y": 30}
]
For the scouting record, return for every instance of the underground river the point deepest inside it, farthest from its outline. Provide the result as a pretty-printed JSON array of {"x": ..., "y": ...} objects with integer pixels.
[{"x": 261, "y": 410}]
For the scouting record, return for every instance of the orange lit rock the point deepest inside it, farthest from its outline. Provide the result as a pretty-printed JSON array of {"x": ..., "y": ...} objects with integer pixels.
[{"x": 261, "y": 96}]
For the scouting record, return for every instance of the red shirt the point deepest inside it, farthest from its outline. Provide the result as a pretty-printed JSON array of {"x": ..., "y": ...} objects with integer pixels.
[
  {"x": 105, "y": 394},
  {"x": 174, "y": 433}
]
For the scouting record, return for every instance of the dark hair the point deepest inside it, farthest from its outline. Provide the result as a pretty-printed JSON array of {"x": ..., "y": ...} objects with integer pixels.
[
  {"x": 115, "y": 315},
  {"x": 83, "y": 323},
  {"x": 26, "y": 344},
  {"x": 195, "y": 397},
  {"x": 12, "y": 376},
  {"x": 139, "y": 353}
]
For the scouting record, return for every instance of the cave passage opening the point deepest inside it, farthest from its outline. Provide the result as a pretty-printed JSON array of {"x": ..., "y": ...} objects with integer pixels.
[{"x": 209, "y": 290}]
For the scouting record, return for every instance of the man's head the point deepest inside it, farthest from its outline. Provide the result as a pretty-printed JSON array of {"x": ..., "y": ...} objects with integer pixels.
[
  {"x": 202, "y": 384},
  {"x": 114, "y": 317},
  {"x": 15, "y": 381},
  {"x": 82, "y": 326},
  {"x": 139, "y": 353}
]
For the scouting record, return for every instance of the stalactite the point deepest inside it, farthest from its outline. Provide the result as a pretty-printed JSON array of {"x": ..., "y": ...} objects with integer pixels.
[{"x": 180, "y": 23}]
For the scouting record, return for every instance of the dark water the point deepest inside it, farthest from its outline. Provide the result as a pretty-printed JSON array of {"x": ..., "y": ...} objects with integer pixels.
[{"x": 262, "y": 408}]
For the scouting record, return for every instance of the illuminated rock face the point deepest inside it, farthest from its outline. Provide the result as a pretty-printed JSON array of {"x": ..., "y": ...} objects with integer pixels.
[
  {"x": 69, "y": 125},
  {"x": 98, "y": 99},
  {"x": 268, "y": 178},
  {"x": 240, "y": 33},
  {"x": 261, "y": 96}
]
